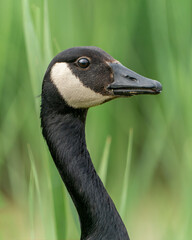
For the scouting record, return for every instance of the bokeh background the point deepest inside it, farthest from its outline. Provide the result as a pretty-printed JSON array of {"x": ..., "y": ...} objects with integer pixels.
[{"x": 141, "y": 147}]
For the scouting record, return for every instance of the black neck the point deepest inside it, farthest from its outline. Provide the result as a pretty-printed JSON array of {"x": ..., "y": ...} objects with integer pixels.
[{"x": 65, "y": 134}]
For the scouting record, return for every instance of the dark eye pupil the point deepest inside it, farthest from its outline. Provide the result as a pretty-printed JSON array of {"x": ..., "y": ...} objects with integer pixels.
[{"x": 83, "y": 62}]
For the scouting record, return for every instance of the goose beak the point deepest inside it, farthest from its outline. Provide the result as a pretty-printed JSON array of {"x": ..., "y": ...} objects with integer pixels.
[{"x": 129, "y": 83}]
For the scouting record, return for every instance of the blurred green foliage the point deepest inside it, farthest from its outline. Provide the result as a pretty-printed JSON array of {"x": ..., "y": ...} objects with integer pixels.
[{"x": 152, "y": 37}]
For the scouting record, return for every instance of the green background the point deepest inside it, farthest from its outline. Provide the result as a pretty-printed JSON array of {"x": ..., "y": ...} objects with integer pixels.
[{"x": 152, "y": 184}]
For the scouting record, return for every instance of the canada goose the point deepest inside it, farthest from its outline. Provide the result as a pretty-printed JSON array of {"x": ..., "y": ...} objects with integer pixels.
[{"x": 76, "y": 79}]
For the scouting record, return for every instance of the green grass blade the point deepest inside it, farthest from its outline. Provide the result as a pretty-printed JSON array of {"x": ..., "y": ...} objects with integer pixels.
[
  {"x": 59, "y": 205},
  {"x": 31, "y": 206},
  {"x": 44, "y": 211},
  {"x": 34, "y": 173},
  {"x": 48, "y": 54},
  {"x": 126, "y": 176},
  {"x": 73, "y": 211},
  {"x": 34, "y": 55},
  {"x": 37, "y": 21},
  {"x": 34, "y": 187},
  {"x": 104, "y": 161}
]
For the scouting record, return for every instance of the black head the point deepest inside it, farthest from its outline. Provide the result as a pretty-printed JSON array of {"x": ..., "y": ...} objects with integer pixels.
[{"x": 87, "y": 76}]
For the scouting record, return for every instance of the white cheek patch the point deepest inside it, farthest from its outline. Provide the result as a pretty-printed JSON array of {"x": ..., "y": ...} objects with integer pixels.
[{"x": 72, "y": 89}]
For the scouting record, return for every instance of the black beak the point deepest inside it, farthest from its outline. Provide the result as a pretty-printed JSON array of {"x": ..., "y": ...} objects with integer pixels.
[{"x": 129, "y": 83}]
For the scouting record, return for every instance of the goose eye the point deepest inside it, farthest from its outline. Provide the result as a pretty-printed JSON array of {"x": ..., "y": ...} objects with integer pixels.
[{"x": 83, "y": 62}]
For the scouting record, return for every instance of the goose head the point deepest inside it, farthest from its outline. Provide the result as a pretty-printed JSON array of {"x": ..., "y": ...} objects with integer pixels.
[{"x": 83, "y": 77}]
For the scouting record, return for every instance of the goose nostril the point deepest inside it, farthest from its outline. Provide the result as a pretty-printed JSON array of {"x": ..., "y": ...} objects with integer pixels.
[{"x": 131, "y": 78}]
